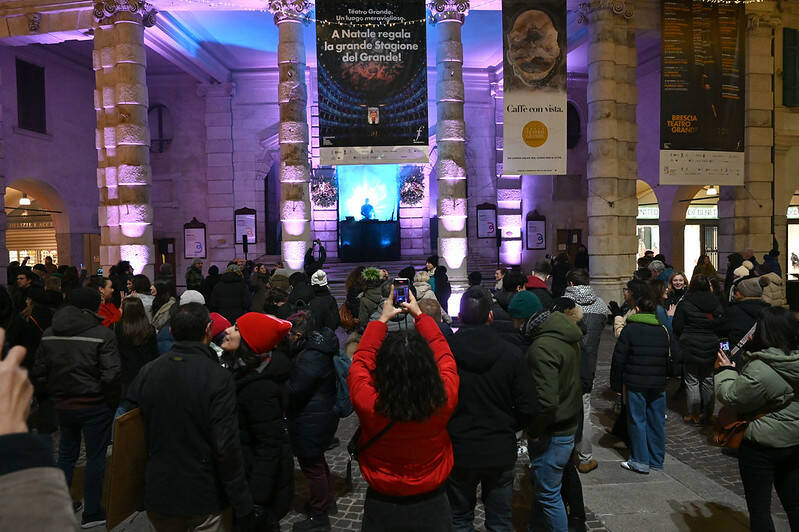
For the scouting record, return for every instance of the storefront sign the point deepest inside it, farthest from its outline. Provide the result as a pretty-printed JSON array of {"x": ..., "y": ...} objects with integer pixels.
[
  {"x": 702, "y": 93},
  {"x": 793, "y": 213},
  {"x": 372, "y": 76},
  {"x": 534, "y": 44},
  {"x": 648, "y": 212},
  {"x": 702, "y": 212}
]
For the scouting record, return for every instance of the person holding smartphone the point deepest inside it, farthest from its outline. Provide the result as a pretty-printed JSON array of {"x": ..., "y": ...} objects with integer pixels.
[{"x": 765, "y": 391}]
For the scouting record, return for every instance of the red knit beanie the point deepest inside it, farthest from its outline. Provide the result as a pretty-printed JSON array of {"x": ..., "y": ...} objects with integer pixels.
[
  {"x": 262, "y": 332},
  {"x": 219, "y": 324}
]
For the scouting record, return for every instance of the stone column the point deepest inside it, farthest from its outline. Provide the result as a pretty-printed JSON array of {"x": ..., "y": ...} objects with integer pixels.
[
  {"x": 295, "y": 166},
  {"x": 449, "y": 16},
  {"x": 745, "y": 212},
  {"x": 123, "y": 137},
  {"x": 612, "y": 139}
]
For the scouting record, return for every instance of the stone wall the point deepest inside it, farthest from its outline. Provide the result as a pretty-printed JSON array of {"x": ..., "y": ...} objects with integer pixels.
[{"x": 61, "y": 165}]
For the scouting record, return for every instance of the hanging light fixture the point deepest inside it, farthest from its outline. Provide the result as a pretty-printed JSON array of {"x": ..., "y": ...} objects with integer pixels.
[
  {"x": 24, "y": 200},
  {"x": 712, "y": 191}
]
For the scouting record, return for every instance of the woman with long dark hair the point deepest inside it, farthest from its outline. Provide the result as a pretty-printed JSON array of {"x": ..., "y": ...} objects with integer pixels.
[
  {"x": 698, "y": 316},
  {"x": 312, "y": 419},
  {"x": 767, "y": 387},
  {"x": 261, "y": 372},
  {"x": 165, "y": 297},
  {"x": 404, "y": 388},
  {"x": 135, "y": 340}
]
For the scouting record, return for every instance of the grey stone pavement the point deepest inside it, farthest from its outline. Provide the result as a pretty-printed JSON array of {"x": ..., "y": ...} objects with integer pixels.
[{"x": 699, "y": 490}]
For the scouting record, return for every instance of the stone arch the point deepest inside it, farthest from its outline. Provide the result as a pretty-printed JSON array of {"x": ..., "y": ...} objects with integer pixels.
[{"x": 52, "y": 200}]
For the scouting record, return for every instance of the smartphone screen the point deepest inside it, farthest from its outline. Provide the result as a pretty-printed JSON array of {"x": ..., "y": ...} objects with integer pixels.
[
  {"x": 724, "y": 345},
  {"x": 401, "y": 291}
]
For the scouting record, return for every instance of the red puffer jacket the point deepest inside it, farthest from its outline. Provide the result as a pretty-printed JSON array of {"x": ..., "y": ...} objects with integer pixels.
[{"x": 412, "y": 457}]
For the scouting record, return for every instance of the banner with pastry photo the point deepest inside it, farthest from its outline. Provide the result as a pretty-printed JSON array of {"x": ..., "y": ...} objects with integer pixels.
[{"x": 534, "y": 46}]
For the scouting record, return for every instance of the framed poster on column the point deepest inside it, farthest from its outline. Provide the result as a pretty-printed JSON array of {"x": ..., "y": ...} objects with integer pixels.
[
  {"x": 372, "y": 78},
  {"x": 534, "y": 70},
  {"x": 702, "y": 93},
  {"x": 486, "y": 221},
  {"x": 194, "y": 241}
]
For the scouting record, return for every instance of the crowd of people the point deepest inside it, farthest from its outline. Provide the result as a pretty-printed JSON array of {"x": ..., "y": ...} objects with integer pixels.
[{"x": 248, "y": 370}]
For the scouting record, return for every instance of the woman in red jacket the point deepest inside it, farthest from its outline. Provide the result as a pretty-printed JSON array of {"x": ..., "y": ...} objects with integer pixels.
[{"x": 405, "y": 382}]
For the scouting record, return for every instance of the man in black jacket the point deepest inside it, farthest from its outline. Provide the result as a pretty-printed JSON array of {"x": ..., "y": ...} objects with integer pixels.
[
  {"x": 194, "y": 459},
  {"x": 496, "y": 397},
  {"x": 78, "y": 364}
]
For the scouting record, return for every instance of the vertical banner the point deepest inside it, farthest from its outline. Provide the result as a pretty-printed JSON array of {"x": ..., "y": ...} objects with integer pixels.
[
  {"x": 372, "y": 77},
  {"x": 534, "y": 46},
  {"x": 702, "y": 93}
]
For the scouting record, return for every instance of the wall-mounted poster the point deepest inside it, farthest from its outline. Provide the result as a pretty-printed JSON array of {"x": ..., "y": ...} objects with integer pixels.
[
  {"x": 702, "y": 93},
  {"x": 245, "y": 225},
  {"x": 194, "y": 243},
  {"x": 372, "y": 76},
  {"x": 534, "y": 44},
  {"x": 486, "y": 221},
  {"x": 536, "y": 234}
]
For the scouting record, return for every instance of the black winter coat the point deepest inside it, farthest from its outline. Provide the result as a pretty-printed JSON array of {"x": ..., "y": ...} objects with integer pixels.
[
  {"x": 301, "y": 296},
  {"x": 312, "y": 394},
  {"x": 739, "y": 319},
  {"x": 194, "y": 459},
  {"x": 134, "y": 357},
  {"x": 324, "y": 308},
  {"x": 230, "y": 297},
  {"x": 78, "y": 357},
  {"x": 262, "y": 399},
  {"x": 641, "y": 356},
  {"x": 496, "y": 398},
  {"x": 696, "y": 320}
]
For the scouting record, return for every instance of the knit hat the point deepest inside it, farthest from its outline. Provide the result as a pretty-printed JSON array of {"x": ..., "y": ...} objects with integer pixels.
[
  {"x": 262, "y": 332},
  {"x": 195, "y": 262},
  {"x": 741, "y": 271},
  {"x": 319, "y": 278},
  {"x": 192, "y": 296},
  {"x": 85, "y": 298},
  {"x": 524, "y": 304},
  {"x": 751, "y": 287},
  {"x": 219, "y": 324},
  {"x": 233, "y": 268}
]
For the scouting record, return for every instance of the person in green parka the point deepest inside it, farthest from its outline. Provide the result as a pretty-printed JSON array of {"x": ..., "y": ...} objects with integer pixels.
[{"x": 767, "y": 386}]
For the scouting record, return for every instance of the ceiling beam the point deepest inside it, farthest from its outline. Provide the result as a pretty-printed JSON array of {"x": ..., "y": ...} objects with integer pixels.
[{"x": 170, "y": 39}]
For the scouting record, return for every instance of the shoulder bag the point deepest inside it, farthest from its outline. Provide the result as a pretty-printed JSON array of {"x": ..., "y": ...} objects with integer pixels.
[{"x": 353, "y": 450}]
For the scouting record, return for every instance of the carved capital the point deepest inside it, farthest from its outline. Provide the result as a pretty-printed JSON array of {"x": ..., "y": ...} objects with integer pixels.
[
  {"x": 620, "y": 8},
  {"x": 34, "y": 22},
  {"x": 290, "y": 10},
  {"x": 441, "y": 10},
  {"x": 755, "y": 22},
  {"x": 105, "y": 9}
]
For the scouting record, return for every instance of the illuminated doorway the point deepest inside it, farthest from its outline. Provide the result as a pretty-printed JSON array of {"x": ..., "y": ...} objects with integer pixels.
[
  {"x": 647, "y": 226},
  {"x": 702, "y": 229},
  {"x": 30, "y": 229}
]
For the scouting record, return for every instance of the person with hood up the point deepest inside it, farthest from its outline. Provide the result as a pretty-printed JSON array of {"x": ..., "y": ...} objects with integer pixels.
[
  {"x": 734, "y": 260},
  {"x": 595, "y": 316},
  {"x": 772, "y": 262},
  {"x": 424, "y": 290},
  {"x": 372, "y": 295},
  {"x": 554, "y": 361},
  {"x": 495, "y": 398},
  {"x": 695, "y": 322},
  {"x": 210, "y": 282},
  {"x": 640, "y": 363},
  {"x": 767, "y": 387},
  {"x": 78, "y": 363},
  {"x": 323, "y": 305},
  {"x": 230, "y": 297},
  {"x": 261, "y": 373},
  {"x": 745, "y": 310},
  {"x": 301, "y": 292},
  {"x": 194, "y": 275},
  {"x": 537, "y": 282},
  {"x": 312, "y": 418}
]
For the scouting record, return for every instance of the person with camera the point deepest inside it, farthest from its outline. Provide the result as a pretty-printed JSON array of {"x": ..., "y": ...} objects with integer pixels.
[
  {"x": 765, "y": 392},
  {"x": 404, "y": 388},
  {"x": 311, "y": 264}
]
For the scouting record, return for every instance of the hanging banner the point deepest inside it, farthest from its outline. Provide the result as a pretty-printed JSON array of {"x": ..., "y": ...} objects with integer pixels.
[
  {"x": 372, "y": 77},
  {"x": 534, "y": 44},
  {"x": 702, "y": 94}
]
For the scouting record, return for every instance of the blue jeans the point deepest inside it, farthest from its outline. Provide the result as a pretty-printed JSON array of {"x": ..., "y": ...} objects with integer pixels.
[
  {"x": 95, "y": 423},
  {"x": 547, "y": 462},
  {"x": 647, "y": 427},
  {"x": 497, "y": 492}
]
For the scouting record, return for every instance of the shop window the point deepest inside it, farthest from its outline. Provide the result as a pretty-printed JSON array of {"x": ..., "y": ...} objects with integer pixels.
[{"x": 31, "y": 111}]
